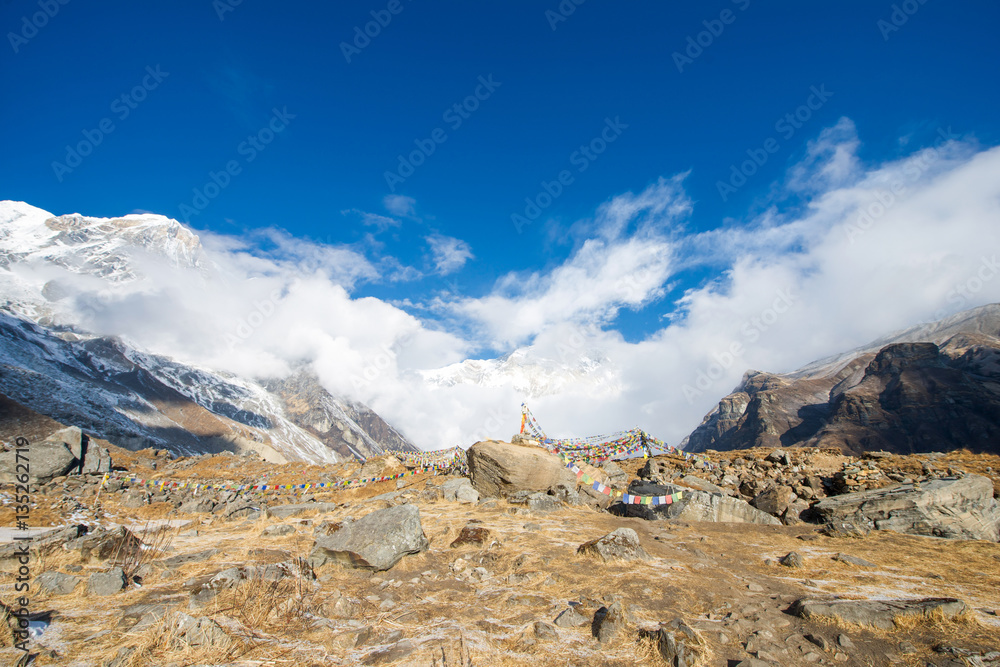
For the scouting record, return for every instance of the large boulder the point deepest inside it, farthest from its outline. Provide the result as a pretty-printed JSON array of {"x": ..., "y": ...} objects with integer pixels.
[
  {"x": 96, "y": 461},
  {"x": 55, "y": 456},
  {"x": 376, "y": 541},
  {"x": 952, "y": 507},
  {"x": 693, "y": 506},
  {"x": 500, "y": 469}
]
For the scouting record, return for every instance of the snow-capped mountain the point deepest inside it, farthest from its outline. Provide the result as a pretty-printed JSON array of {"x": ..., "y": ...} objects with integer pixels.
[
  {"x": 533, "y": 375},
  {"x": 112, "y": 389}
]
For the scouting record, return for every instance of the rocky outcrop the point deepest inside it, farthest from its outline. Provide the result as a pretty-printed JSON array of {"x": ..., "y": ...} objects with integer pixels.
[
  {"x": 929, "y": 388},
  {"x": 879, "y": 613},
  {"x": 376, "y": 541},
  {"x": 499, "y": 469},
  {"x": 619, "y": 544},
  {"x": 693, "y": 506},
  {"x": 958, "y": 508},
  {"x": 55, "y": 456}
]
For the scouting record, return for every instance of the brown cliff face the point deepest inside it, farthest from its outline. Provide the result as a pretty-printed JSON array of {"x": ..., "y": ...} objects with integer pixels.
[{"x": 905, "y": 395}]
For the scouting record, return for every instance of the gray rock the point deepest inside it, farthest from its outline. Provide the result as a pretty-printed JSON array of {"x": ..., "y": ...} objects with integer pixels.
[
  {"x": 779, "y": 456},
  {"x": 106, "y": 583},
  {"x": 616, "y": 476},
  {"x": 570, "y": 618},
  {"x": 842, "y": 528},
  {"x": 104, "y": 544},
  {"x": 243, "y": 509},
  {"x": 879, "y": 613},
  {"x": 620, "y": 544},
  {"x": 608, "y": 622},
  {"x": 853, "y": 560},
  {"x": 544, "y": 631},
  {"x": 693, "y": 506},
  {"x": 700, "y": 484},
  {"x": 55, "y": 456},
  {"x": 774, "y": 501},
  {"x": 679, "y": 644},
  {"x": 376, "y": 541},
  {"x": 197, "y": 506},
  {"x": 460, "y": 489},
  {"x": 277, "y": 530},
  {"x": 197, "y": 632},
  {"x": 792, "y": 559},
  {"x": 44, "y": 543},
  {"x": 954, "y": 507},
  {"x": 537, "y": 502},
  {"x": 96, "y": 461},
  {"x": 56, "y": 583}
]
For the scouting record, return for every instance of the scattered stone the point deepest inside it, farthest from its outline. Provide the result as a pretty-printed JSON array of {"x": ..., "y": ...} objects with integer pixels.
[
  {"x": 182, "y": 559},
  {"x": 277, "y": 530},
  {"x": 679, "y": 644},
  {"x": 196, "y": 632},
  {"x": 818, "y": 640},
  {"x": 791, "y": 559},
  {"x": 471, "y": 535},
  {"x": 537, "y": 502},
  {"x": 844, "y": 641},
  {"x": 620, "y": 544},
  {"x": 879, "y": 613},
  {"x": 106, "y": 583},
  {"x": 460, "y": 489},
  {"x": 852, "y": 560},
  {"x": 545, "y": 631},
  {"x": 779, "y": 456},
  {"x": 56, "y": 583},
  {"x": 956, "y": 508},
  {"x": 700, "y": 484},
  {"x": 570, "y": 618},
  {"x": 608, "y": 622},
  {"x": 376, "y": 541},
  {"x": 755, "y": 588}
]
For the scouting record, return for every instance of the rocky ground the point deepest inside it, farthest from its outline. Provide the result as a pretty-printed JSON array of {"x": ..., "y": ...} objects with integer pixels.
[{"x": 427, "y": 570}]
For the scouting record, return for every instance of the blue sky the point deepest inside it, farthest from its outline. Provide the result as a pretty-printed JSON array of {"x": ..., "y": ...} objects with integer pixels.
[{"x": 441, "y": 244}]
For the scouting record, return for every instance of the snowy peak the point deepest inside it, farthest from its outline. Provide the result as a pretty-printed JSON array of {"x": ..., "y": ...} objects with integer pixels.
[
  {"x": 533, "y": 374},
  {"x": 101, "y": 247}
]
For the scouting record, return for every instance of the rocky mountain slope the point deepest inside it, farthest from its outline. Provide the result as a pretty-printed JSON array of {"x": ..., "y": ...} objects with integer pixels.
[
  {"x": 933, "y": 387},
  {"x": 132, "y": 398},
  {"x": 424, "y": 571}
]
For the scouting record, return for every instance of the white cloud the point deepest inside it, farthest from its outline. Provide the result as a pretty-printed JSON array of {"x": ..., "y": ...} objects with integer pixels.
[
  {"x": 864, "y": 249},
  {"x": 400, "y": 205},
  {"x": 448, "y": 253}
]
